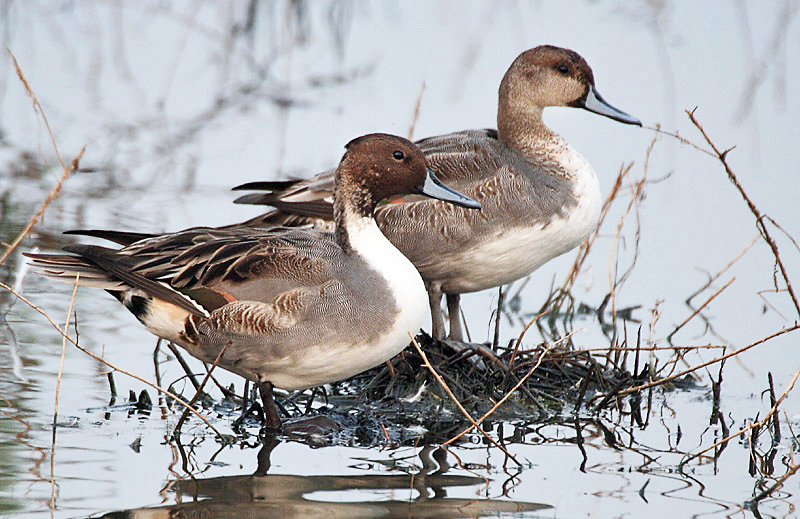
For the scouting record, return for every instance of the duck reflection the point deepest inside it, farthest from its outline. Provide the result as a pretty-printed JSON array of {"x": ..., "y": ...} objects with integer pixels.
[{"x": 290, "y": 496}]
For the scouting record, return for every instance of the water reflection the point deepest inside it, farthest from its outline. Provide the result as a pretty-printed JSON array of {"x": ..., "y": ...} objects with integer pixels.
[{"x": 346, "y": 496}]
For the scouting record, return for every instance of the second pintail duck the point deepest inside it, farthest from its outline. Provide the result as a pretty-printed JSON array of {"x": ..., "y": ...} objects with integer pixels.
[
  {"x": 293, "y": 308},
  {"x": 540, "y": 198}
]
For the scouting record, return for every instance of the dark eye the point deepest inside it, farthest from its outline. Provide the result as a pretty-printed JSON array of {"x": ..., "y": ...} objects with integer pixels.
[
  {"x": 563, "y": 69},
  {"x": 398, "y": 155}
]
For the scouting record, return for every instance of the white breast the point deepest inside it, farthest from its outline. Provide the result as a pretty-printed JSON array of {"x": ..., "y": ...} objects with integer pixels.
[
  {"x": 404, "y": 281},
  {"x": 337, "y": 361}
]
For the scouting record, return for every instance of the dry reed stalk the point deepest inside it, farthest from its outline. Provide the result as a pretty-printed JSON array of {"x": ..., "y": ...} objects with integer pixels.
[
  {"x": 109, "y": 364},
  {"x": 58, "y": 389},
  {"x": 506, "y": 396},
  {"x": 521, "y": 335},
  {"x": 416, "y": 113},
  {"x": 64, "y": 350},
  {"x": 585, "y": 247},
  {"x": 50, "y": 197},
  {"x": 760, "y": 218},
  {"x": 759, "y": 424},
  {"x": 707, "y": 363},
  {"x": 793, "y": 467},
  {"x": 199, "y": 390},
  {"x": 447, "y": 390},
  {"x": 36, "y": 106},
  {"x": 699, "y": 309},
  {"x": 637, "y": 188},
  {"x": 654, "y": 348},
  {"x": 66, "y": 171}
]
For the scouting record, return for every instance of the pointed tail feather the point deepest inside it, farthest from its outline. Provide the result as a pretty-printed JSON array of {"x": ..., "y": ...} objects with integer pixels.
[
  {"x": 103, "y": 268},
  {"x": 119, "y": 237}
]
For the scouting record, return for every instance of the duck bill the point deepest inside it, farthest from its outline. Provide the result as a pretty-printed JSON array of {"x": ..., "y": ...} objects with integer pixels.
[
  {"x": 434, "y": 188},
  {"x": 595, "y": 103}
]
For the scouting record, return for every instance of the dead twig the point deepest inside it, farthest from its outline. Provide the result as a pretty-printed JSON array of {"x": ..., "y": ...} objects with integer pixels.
[
  {"x": 521, "y": 335},
  {"x": 58, "y": 389},
  {"x": 778, "y": 484},
  {"x": 762, "y": 228},
  {"x": 505, "y": 397},
  {"x": 416, "y": 113},
  {"x": 109, "y": 364},
  {"x": 707, "y": 363},
  {"x": 66, "y": 171},
  {"x": 698, "y": 310},
  {"x": 199, "y": 390},
  {"x": 186, "y": 369},
  {"x": 498, "y": 315},
  {"x": 754, "y": 425},
  {"x": 637, "y": 188},
  {"x": 682, "y": 140},
  {"x": 447, "y": 390},
  {"x": 715, "y": 277},
  {"x": 586, "y": 246}
]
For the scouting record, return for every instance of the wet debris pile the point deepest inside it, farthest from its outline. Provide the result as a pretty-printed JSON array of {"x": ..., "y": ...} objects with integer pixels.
[{"x": 537, "y": 384}]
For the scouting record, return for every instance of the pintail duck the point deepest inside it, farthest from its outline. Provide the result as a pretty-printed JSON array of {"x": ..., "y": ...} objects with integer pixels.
[
  {"x": 296, "y": 308},
  {"x": 540, "y": 198}
]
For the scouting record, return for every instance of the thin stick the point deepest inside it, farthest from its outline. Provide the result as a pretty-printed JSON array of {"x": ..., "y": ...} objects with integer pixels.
[
  {"x": 446, "y": 388},
  {"x": 497, "y": 317},
  {"x": 505, "y": 397},
  {"x": 753, "y": 209},
  {"x": 708, "y": 363},
  {"x": 200, "y": 388},
  {"x": 521, "y": 335},
  {"x": 682, "y": 140},
  {"x": 613, "y": 266},
  {"x": 36, "y": 106},
  {"x": 416, "y": 113},
  {"x": 186, "y": 369},
  {"x": 699, "y": 309},
  {"x": 58, "y": 389},
  {"x": 66, "y": 171},
  {"x": 776, "y": 424},
  {"x": 109, "y": 364},
  {"x": 753, "y": 425},
  {"x": 50, "y": 197},
  {"x": 585, "y": 247},
  {"x": 655, "y": 348},
  {"x": 719, "y": 274},
  {"x": 778, "y": 484}
]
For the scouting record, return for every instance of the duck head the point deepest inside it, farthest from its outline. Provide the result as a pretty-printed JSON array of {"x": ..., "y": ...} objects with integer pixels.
[
  {"x": 378, "y": 165},
  {"x": 552, "y": 76}
]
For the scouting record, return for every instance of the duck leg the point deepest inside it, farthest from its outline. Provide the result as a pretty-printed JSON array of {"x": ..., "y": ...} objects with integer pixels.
[
  {"x": 272, "y": 417},
  {"x": 248, "y": 407},
  {"x": 454, "y": 315},
  {"x": 437, "y": 323}
]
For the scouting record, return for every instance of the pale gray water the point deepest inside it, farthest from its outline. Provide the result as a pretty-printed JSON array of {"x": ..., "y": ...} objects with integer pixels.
[{"x": 174, "y": 111}]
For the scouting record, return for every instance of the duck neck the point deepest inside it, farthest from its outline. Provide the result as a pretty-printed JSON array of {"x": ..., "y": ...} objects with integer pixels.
[
  {"x": 352, "y": 214},
  {"x": 520, "y": 126}
]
